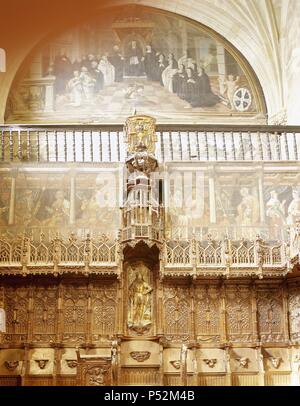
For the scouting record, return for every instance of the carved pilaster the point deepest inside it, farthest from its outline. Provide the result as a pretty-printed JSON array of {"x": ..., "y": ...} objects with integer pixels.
[
  {"x": 89, "y": 315},
  {"x": 260, "y": 365},
  {"x": 30, "y": 314},
  {"x": 223, "y": 329},
  {"x": 285, "y": 311},
  {"x": 59, "y": 333},
  {"x": 254, "y": 313}
]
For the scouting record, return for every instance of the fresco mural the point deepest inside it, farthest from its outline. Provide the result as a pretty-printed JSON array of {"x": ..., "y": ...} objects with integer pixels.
[
  {"x": 88, "y": 201},
  {"x": 133, "y": 59}
]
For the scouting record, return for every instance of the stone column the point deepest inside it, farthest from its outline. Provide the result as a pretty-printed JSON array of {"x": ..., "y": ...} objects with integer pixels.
[
  {"x": 212, "y": 197},
  {"x": 11, "y": 213},
  {"x": 72, "y": 196}
]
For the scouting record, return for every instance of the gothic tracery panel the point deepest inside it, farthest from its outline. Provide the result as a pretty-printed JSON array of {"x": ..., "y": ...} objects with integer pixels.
[
  {"x": 103, "y": 311},
  {"x": 207, "y": 314},
  {"x": 177, "y": 314},
  {"x": 239, "y": 313},
  {"x": 45, "y": 314},
  {"x": 270, "y": 315},
  {"x": 16, "y": 302},
  {"x": 74, "y": 313}
]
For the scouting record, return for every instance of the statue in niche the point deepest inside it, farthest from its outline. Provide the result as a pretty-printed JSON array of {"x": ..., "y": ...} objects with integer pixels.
[{"x": 139, "y": 299}]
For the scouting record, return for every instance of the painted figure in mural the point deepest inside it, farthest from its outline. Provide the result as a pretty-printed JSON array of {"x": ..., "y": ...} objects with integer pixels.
[
  {"x": 107, "y": 70},
  {"x": 275, "y": 210},
  {"x": 74, "y": 86},
  {"x": 169, "y": 72},
  {"x": 27, "y": 207},
  {"x": 59, "y": 211},
  {"x": 4, "y": 205},
  {"x": 134, "y": 56},
  {"x": 178, "y": 216},
  {"x": 180, "y": 82},
  {"x": 62, "y": 70},
  {"x": 248, "y": 209},
  {"x": 230, "y": 86},
  {"x": 140, "y": 312},
  {"x": 294, "y": 208},
  {"x": 98, "y": 77},
  {"x": 117, "y": 60},
  {"x": 88, "y": 84},
  {"x": 204, "y": 95},
  {"x": 150, "y": 64}
]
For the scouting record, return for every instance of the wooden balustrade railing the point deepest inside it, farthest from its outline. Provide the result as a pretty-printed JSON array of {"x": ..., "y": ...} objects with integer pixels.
[{"x": 92, "y": 143}]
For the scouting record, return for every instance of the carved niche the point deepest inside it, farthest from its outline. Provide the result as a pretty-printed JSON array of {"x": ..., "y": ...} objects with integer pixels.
[
  {"x": 177, "y": 315},
  {"x": 44, "y": 314},
  {"x": 94, "y": 372},
  {"x": 74, "y": 313},
  {"x": 270, "y": 315},
  {"x": 207, "y": 313},
  {"x": 294, "y": 312},
  {"x": 16, "y": 302},
  {"x": 239, "y": 313},
  {"x": 103, "y": 310},
  {"x": 140, "y": 298}
]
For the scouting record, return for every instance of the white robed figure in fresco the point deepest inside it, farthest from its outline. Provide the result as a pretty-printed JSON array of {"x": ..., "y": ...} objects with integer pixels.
[
  {"x": 76, "y": 90},
  {"x": 169, "y": 72},
  {"x": 107, "y": 70},
  {"x": 88, "y": 83}
]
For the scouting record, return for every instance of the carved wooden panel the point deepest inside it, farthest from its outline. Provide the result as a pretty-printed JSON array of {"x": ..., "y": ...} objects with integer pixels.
[
  {"x": 74, "y": 313},
  {"x": 44, "y": 314},
  {"x": 16, "y": 302},
  {"x": 10, "y": 381},
  {"x": 279, "y": 379},
  {"x": 270, "y": 315},
  {"x": 103, "y": 311},
  {"x": 177, "y": 314},
  {"x": 294, "y": 313},
  {"x": 239, "y": 313},
  {"x": 211, "y": 380},
  {"x": 94, "y": 373},
  {"x": 207, "y": 314},
  {"x": 66, "y": 381},
  {"x": 140, "y": 376},
  {"x": 245, "y": 380},
  {"x": 38, "y": 381},
  {"x": 172, "y": 380}
]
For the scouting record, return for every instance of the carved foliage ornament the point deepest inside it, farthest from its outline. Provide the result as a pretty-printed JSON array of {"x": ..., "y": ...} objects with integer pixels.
[
  {"x": 210, "y": 362},
  {"x": 72, "y": 363},
  {"x": 176, "y": 364},
  {"x": 140, "y": 356},
  {"x": 11, "y": 365}
]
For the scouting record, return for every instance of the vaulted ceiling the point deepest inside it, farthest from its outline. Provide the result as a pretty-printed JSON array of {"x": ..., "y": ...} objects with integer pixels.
[{"x": 265, "y": 31}]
